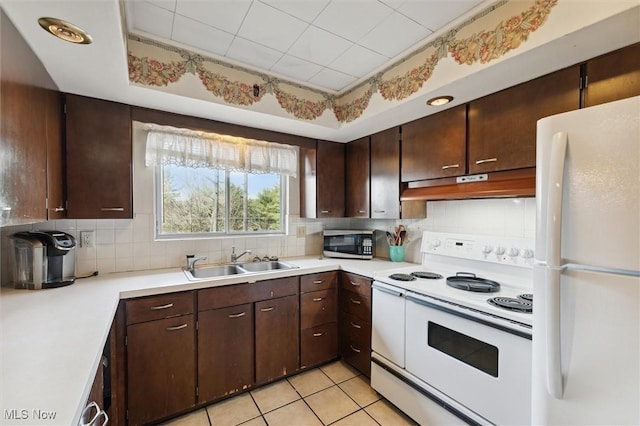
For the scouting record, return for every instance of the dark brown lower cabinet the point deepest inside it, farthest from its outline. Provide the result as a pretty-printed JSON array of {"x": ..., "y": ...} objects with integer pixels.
[
  {"x": 355, "y": 321},
  {"x": 225, "y": 351},
  {"x": 161, "y": 370},
  {"x": 318, "y": 344},
  {"x": 276, "y": 338}
]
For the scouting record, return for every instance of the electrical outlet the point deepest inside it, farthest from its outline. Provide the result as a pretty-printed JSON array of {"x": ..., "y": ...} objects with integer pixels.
[
  {"x": 301, "y": 231},
  {"x": 87, "y": 239}
]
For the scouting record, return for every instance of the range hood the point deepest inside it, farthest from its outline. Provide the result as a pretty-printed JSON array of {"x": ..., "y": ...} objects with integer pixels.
[{"x": 511, "y": 183}]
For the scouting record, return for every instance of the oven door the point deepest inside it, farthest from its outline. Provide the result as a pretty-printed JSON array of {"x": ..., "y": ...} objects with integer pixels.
[{"x": 478, "y": 363}]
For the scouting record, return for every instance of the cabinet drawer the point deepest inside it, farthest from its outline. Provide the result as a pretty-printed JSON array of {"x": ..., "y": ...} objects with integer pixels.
[
  {"x": 158, "y": 307},
  {"x": 318, "y": 345},
  {"x": 318, "y": 307},
  {"x": 320, "y": 281},
  {"x": 239, "y": 294},
  {"x": 221, "y": 297},
  {"x": 355, "y": 284},
  {"x": 356, "y": 304},
  {"x": 359, "y": 357},
  {"x": 355, "y": 331}
]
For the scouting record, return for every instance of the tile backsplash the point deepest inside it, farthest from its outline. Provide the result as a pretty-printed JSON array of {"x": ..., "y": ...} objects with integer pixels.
[{"x": 129, "y": 244}]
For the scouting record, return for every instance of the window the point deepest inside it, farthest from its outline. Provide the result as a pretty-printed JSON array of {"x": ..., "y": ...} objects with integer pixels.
[
  {"x": 210, "y": 184},
  {"x": 217, "y": 201}
]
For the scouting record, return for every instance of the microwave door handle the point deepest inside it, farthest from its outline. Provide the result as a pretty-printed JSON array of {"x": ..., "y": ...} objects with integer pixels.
[{"x": 553, "y": 342}]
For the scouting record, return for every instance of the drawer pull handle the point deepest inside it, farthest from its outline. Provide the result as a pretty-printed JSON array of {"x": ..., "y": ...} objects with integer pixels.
[
  {"x": 362, "y": 211},
  {"x": 355, "y": 302},
  {"x": 451, "y": 166},
  {"x": 318, "y": 281},
  {"x": 318, "y": 334},
  {"x": 487, "y": 160},
  {"x": 379, "y": 211},
  {"x": 356, "y": 350},
  {"x": 5, "y": 209},
  {"x": 354, "y": 283},
  {"x": 318, "y": 299},
  {"x": 324, "y": 211},
  {"x": 59, "y": 209},
  {"x": 241, "y": 314},
  {"x": 167, "y": 306},
  {"x": 112, "y": 209},
  {"x": 355, "y": 325},
  {"x": 177, "y": 327},
  {"x": 270, "y": 308}
]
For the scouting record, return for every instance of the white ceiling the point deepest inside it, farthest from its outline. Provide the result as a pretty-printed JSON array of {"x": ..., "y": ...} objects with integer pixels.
[
  {"x": 322, "y": 43},
  {"x": 326, "y": 44}
]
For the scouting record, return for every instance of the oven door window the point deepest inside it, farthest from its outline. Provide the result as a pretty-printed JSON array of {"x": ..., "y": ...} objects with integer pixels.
[{"x": 473, "y": 352}]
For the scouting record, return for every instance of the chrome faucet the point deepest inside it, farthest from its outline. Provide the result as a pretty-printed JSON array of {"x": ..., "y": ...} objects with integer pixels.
[
  {"x": 192, "y": 259},
  {"x": 234, "y": 257}
]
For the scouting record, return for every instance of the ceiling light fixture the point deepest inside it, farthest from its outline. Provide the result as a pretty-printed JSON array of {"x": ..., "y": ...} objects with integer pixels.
[
  {"x": 65, "y": 31},
  {"x": 439, "y": 100}
]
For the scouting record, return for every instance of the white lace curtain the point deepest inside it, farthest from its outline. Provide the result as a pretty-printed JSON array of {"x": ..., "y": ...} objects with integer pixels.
[{"x": 189, "y": 148}]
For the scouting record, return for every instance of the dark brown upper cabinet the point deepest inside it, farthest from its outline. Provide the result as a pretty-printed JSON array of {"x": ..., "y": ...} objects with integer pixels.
[
  {"x": 322, "y": 183},
  {"x": 502, "y": 126},
  {"x": 613, "y": 76},
  {"x": 358, "y": 169},
  {"x": 28, "y": 130},
  {"x": 99, "y": 159},
  {"x": 435, "y": 146},
  {"x": 385, "y": 174}
]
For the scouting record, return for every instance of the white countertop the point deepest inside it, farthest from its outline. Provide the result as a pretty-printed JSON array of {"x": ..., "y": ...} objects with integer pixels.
[{"x": 52, "y": 340}]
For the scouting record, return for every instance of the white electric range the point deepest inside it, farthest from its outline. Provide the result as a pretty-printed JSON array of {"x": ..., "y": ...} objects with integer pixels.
[{"x": 439, "y": 348}]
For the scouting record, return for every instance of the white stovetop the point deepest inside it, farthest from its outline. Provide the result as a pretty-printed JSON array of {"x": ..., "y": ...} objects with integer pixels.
[{"x": 52, "y": 339}]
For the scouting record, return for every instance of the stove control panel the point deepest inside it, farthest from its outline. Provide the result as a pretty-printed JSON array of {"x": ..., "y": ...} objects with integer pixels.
[{"x": 486, "y": 248}]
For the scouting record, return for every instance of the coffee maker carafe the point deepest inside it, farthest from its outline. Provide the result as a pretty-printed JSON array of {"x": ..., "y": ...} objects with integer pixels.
[{"x": 43, "y": 259}]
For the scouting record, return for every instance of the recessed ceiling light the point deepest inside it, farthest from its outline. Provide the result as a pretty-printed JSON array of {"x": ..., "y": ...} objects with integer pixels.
[
  {"x": 65, "y": 31},
  {"x": 440, "y": 100}
]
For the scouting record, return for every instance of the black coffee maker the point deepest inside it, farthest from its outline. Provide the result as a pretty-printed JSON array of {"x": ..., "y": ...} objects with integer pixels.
[{"x": 43, "y": 259}]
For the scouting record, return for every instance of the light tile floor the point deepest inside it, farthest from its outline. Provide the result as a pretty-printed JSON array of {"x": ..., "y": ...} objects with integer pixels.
[{"x": 334, "y": 394}]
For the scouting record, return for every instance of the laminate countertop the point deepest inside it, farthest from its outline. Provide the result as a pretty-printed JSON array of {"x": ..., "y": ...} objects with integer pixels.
[{"x": 52, "y": 340}]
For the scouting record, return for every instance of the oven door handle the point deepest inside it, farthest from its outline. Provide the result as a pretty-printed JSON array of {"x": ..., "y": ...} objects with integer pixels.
[{"x": 387, "y": 290}]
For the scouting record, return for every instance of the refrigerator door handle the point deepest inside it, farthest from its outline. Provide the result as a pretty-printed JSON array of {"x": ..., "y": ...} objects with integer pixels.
[{"x": 554, "y": 260}]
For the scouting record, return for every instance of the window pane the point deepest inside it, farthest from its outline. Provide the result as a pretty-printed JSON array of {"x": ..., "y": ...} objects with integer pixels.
[
  {"x": 254, "y": 202},
  {"x": 193, "y": 200}
]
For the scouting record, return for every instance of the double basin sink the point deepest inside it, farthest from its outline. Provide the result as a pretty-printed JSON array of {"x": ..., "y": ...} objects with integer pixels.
[{"x": 214, "y": 271}]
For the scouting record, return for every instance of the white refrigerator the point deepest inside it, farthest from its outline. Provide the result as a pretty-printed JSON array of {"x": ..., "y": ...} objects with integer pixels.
[{"x": 586, "y": 322}]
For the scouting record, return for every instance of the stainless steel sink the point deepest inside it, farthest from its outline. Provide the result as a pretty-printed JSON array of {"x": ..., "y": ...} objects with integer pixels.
[
  {"x": 213, "y": 272},
  {"x": 216, "y": 271},
  {"x": 266, "y": 266}
]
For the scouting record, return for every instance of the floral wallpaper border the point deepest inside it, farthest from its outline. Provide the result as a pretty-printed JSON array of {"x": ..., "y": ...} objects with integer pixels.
[{"x": 479, "y": 47}]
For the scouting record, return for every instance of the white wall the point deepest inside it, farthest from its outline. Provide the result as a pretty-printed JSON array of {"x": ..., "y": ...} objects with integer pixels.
[{"x": 129, "y": 244}]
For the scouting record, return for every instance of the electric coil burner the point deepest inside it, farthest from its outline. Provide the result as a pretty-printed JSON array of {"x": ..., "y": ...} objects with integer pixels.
[
  {"x": 402, "y": 277},
  {"x": 512, "y": 304},
  {"x": 427, "y": 275},
  {"x": 528, "y": 297}
]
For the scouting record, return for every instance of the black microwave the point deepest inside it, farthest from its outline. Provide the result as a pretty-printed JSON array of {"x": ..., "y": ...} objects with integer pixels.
[{"x": 349, "y": 244}]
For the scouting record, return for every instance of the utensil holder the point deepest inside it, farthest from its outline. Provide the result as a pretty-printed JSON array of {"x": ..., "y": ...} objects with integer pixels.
[{"x": 396, "y": 253}]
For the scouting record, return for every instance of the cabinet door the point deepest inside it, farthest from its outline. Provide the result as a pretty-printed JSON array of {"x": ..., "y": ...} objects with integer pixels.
[
  {"x": 23, "y": 153},
  {"x": 277, "y": 338},
  {"x": 613, "y": 76},
  {"x": 318, "y": 344},
  {"x": 357, "y": 178},
  {"x": 385, "y": 174},
  {"x": 56, "y": 182},
  {"x": 502, "y": 126},
  {"x": 99, "y": 156},
  {"x": 161, "y": 368},
  {"x": 435, "y": 146},
  {"x": 330, "y": 179},
  {"x": 225, "y": 351}
]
